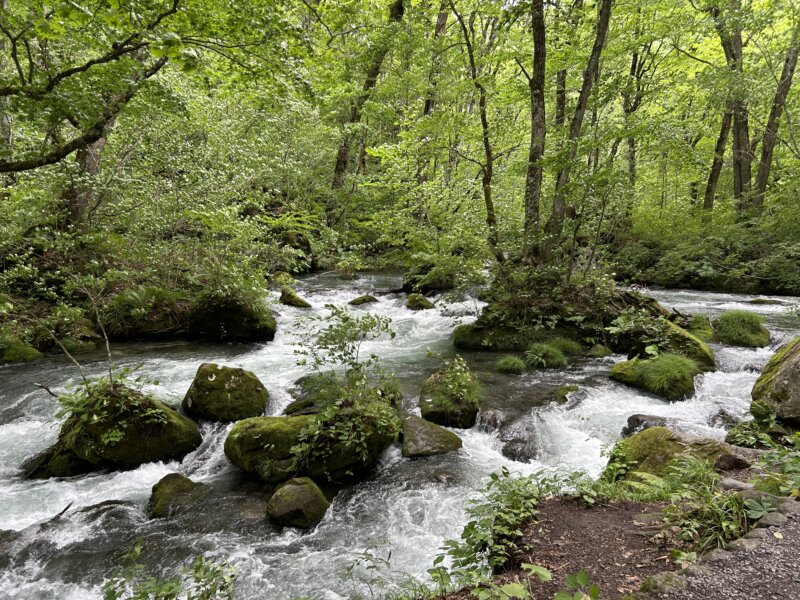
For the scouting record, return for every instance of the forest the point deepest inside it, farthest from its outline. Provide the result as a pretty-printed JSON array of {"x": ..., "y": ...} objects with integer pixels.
[{"x": 192, "y": 182}]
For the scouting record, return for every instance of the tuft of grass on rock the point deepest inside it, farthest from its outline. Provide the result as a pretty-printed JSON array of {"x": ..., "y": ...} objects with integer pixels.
[
  {"x": 544, "y": 356},
  {"x": 513, "y": 365},
  {"x": 566, "y": 346},
  {"x": 741, "y": 328}
]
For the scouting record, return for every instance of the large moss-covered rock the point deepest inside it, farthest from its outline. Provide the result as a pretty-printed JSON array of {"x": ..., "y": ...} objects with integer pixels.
[
  {"x": 263, "y": 445},
  {"x": 778, "y": 386},
  {"x": 498, "y": 339},
  {"x": 298, "y": 503},
  {"x": 267, "y": 446},
  {"x": 652, "y": 450},
  {"x": 13, "y": 349},
  {"x": 314, "y": 392},
  {"x": 290, "y": 298},
  {"x": 229, "y": 319},
  {"x": 172, "y": 493},
  {"x": 700, "y": 327},
  {"x": 680, "y": 341},
  {"x": 670, "y": 376},
  {"x": 423, "y": 438},
  {"x": 450, "y": 405},
  {"x": 741, "y": 328},
  {"x": 365, "y": 299},
  {"x": 56, "y": 461},
  {"x": 116, "y": 428},
  {"x": 220, "y": 393},
  {"x": 149, "y": 431},
  {"x": 418, "y": 302}
]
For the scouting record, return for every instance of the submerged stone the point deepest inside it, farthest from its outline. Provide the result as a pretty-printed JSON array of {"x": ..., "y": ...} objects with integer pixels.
[
  {"x": 418, "y": 302},
  {"x": 220, "y": 393},
  {"x": 290, "y": 298},
  {"x": 365, "y": 299}
]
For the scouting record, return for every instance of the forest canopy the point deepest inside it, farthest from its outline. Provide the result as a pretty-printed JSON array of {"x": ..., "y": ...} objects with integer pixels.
[{"x": 158, "y": 157}]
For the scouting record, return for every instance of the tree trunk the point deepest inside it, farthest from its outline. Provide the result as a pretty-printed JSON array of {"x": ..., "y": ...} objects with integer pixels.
[
  {"x": 488, "y": 152},
  {"x": 438, "y": 32},
  {"x": 556, "y": 221},
  {"x": 78, "y": 195},
  {"x": 533, "y": 180},
  {"x": 771, "y": 130},
  {"x": 343, "y": 155},
  {"x": 716, "y": 165}
]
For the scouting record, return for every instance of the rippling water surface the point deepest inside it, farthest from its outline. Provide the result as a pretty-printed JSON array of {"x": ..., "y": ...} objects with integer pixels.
[{"x": 408, "y": 507}]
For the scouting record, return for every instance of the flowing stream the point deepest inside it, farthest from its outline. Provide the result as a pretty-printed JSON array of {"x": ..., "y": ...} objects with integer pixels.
[{"x": 60, "y": 539}]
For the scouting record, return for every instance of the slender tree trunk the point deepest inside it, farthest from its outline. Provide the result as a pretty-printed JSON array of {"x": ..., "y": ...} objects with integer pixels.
[
  {"x": 487, "y": 170},
  {"x": 716, "y": 165},
  {"x": 771, "y": 130},
  {"x": 396, "y": 12},
  {"x": 561, "y": 97},
  {"x": 433, "y": 77},
  {"x": 533, "y": 180},
  {"x": 556, "y": 221},
  {"x": 78, "y": 195}
]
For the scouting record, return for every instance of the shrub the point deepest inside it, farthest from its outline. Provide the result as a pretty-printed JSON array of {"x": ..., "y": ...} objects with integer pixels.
[
  {"x": 510, "y": 364},
  {"x": 741, "y": 328},
  {"x": 455, "y": 387},
  {"x": 545, "y": 356}
]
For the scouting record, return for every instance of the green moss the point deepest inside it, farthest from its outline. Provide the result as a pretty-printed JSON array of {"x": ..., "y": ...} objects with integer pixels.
[
  {"x": 679, "y": 341},
  {"x": 451, "y": 397},
  {"x": 741, "y": 328},
  {"x": 230, "y": 319},
  {"x": 599, "y": 351},
  {"x": 560, "y": 394},
  {"x": 422, "y": 438},
  {"x": 544, "y": 356},
  {"x": 776, "y": 392},
  {"x": 56, "y": 461},
  {"x": 290, "y": 298},
  {"x": 472, "y": 337},
  {"x": 170, "y": 491},
  {"x": 670, "y": 376},
  {"x": 418, "y": 302},
  {"x": 510, "y": 364},
  {"x": 13, "y": 349},
  {"x": 220, "y": 393},
  {"x": 566, "y": 346},
  {"x": 700, "y": 327},
  {"x": 298, "y": 503},
  {"x": 366, "y": 299}
]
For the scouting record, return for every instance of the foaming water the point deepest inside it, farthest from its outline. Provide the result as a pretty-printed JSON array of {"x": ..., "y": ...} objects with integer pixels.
[{"x": 407, "y": 508}]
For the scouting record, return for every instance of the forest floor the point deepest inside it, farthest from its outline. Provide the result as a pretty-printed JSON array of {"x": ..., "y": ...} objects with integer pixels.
[
  {"x": 616, "y": 543},
  {"x": 621, "y": 544}
]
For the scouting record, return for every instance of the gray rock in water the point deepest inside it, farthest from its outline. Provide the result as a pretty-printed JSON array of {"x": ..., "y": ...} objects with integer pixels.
[
  {"x": 637, "y": 423},
  {"x": 520, "y": 442},
  {"x": 423, "y": 438},
  {"x": 491, "y": 420},
  {"x": 174, "y": 493}
]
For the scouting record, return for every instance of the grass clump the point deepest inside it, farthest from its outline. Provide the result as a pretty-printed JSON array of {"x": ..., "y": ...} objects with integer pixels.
[
  {"x": 741, "y": 328},
  {"x": 512, "y": 365},
  {"x": 566, "y": 346},
  {"x": 670, "y": 376},
  {"x": 544, "y": 356}
]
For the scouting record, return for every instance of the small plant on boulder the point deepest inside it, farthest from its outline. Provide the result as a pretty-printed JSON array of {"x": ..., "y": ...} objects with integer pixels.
[
  {"x": 544, "y": 356},
  {"x": 510, "y": 364}
]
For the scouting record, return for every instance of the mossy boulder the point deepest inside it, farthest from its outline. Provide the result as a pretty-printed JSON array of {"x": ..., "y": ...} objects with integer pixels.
[
  {"x": 13, "y": 349},
  {"x": 298, "y": 503},
  {"x": 263, "y": 445},
  {"x": 741, "y": 328},
  {"x": 423, "y": 438},
  {"x": 268, "y": 447},
  {"x": 220, "y": 393},
  {"x": 172, "y": 493},
  {"x": 778, "y": 386},
  {"x": 426, "y": 278},
  {"x": 56, "y": 461},
  {"x": 652, "y": 451},
  {"x": 418, "y": 302},
  {"x": 670, "y": 376},
  {"x": 116, "y": 428},
  {"x": 450, "y": 405},
  {"x": 365, "y": 299},
  {"x": 560, "y": 394},
  {"x": 680, "y": 341},
  {"x": 496, "y": 339},
  {"x": 290, "y": 298},
  {"x": 230, "y": 319},
  {"x": 599, "y": 351},
  {"x": 700, "y": 327}
]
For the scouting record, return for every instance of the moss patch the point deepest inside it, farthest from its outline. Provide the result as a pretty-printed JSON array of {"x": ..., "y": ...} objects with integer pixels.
[
  {"x": 366, "y": 299},
  {"x": 220, "y": 393},
  {"x": 13, "y": 349},
  {"x": 670, "y": 376},
  {"x": 298, "y": 503},
  {"x": 778, "y": 387},
  {"x": 171, "y": 493},
  {"x": 700, "y": 327},
  {"x": 741, "y": 328},
  {"x": 680, "y": 341},
  {"x": 418, "y": 302}
]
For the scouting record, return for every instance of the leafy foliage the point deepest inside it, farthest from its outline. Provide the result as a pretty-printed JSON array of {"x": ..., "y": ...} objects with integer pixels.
[{"x": 544, "y": 356}]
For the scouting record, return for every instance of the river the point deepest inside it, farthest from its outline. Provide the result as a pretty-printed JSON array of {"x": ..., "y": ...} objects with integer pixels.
[{"x": 405, "y": 511}]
